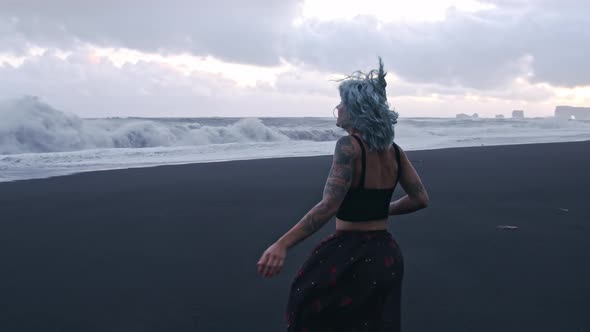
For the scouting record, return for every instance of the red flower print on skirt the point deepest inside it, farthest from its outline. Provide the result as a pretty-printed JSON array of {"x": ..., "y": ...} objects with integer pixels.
[
  {"x": 346, "y": 301},
  {"x": 389, "y": 261}
]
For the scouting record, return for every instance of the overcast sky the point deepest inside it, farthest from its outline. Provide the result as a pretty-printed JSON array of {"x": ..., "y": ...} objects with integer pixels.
[{"x": 278, "y": 58}]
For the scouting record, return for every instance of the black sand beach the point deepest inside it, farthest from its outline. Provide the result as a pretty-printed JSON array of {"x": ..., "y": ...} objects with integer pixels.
[{"x": 174, "y": 248}]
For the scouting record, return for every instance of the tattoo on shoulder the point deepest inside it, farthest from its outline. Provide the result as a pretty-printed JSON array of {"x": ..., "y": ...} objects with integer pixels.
[
  {"x": 341, "y": 174},
  {"x": 344, "y": 153}
]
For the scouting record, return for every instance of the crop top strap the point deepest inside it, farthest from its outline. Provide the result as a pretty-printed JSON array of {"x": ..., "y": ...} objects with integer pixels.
[
  {"x": 362, "y": 184},
  {"x": 399, "y": 162}
]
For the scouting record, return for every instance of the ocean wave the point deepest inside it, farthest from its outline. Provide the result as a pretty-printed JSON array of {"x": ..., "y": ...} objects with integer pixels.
[{"x": 30, "y": 126}]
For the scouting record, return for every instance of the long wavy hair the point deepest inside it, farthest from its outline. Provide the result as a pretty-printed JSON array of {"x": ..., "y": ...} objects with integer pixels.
[{"x": 365, "y": 102}]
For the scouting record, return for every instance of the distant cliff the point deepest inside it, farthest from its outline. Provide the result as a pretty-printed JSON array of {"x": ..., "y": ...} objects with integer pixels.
[{"x": 566, "y": 112}]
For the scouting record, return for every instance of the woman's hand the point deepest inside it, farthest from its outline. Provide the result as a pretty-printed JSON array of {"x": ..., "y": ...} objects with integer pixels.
[{"x": 272, "y": 260}]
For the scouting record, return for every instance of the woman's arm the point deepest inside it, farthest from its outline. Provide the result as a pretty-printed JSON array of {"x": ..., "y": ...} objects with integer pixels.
[
  {"x": 337, "y": 185},
  {"x": 405, "y": 205},
  {"x": 417, "y": 197}
]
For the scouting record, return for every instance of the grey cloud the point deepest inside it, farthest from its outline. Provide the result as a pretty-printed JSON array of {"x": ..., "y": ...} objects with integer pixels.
[
  {"x": 81, "y": 85},
  {"x": 232, "y": 30},
  {"x": 547, "y": 4},
  {"x": 510, "y": 92},
  {"x": 89, "y": 88},
  {"x": 483, "y": 50},
  {"x": 306, "y": 83},
  {"x": 438, "y": 53}
]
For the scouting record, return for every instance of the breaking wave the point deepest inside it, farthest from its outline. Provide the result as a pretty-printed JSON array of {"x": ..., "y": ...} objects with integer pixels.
[{"x": 29, "y": 125}]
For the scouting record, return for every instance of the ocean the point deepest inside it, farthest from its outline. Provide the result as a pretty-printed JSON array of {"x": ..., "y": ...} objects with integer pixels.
[{"x": 38, "y": 141}]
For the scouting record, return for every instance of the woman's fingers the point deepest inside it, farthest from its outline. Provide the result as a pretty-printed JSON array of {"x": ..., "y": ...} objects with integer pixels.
[
  {"x": 276, "y": 265},
  {"x": 265, "y": 266},
  {"x": 272, "y": 260},
  {"x": 262, "y": 264},
  {"x": 269, "y": 265},
  {"x": 272, "y": 267}
]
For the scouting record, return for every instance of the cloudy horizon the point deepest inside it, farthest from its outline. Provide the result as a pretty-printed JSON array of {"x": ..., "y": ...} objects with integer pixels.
[{"x": 279, "y": 59}]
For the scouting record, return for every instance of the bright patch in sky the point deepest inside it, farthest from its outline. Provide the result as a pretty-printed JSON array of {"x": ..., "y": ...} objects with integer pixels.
[
  {"x": 388, "y": 10},
  {"x": 16, "y": 61},
  {"x": 245, "y": 75},
  {"x": 573, "y": 96}
]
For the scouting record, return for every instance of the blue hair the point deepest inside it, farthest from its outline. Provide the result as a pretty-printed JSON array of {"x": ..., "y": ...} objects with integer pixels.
[{"x": 365, "y": 101}]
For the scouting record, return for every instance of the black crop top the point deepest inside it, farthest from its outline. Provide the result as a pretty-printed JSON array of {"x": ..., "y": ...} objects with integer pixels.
[{"x": 367, "y": 204}]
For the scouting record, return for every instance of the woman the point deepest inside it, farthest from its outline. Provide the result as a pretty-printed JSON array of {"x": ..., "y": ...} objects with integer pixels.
[{"x": 351, "y": 280}]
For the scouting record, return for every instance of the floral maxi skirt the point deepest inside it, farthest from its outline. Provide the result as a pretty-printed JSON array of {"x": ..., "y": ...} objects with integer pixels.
[{"x": 350, "y": 282}]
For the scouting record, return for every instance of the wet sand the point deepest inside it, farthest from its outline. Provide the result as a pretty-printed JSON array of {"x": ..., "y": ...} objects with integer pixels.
[{"x": 174, "y": 248}]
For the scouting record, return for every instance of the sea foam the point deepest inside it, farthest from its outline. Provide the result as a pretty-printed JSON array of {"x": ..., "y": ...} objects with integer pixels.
[{"x": 37, "y": 140}]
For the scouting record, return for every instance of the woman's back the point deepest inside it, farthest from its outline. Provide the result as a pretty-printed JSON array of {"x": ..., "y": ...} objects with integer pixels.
[
  {"x": 380, "y": 168},
  {"x": 374, "y": 178},
  {"x": 362, "y": 208}
]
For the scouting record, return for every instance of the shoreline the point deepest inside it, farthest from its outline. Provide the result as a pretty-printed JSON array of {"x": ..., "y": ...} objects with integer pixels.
[{"x": 107, "y": 169}]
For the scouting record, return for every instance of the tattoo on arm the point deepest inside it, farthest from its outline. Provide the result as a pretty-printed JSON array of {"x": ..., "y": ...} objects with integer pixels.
[
  {"x": 336, "y": 187},
  {"x": 309, "y": 224},
  {"x": 340, "y": 177},
  {"x": 316, "y": 218}
]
